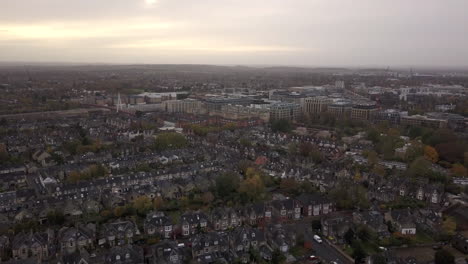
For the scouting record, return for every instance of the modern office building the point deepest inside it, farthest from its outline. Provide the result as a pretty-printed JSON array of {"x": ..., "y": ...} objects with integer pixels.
[
  {"x": 315, "y": 105},
  {"x": 183, "y": 106},
  {"x": 288, "y": 111},
  {"x": 363, "y": 110},
  {"x": 340, "y": 108}
]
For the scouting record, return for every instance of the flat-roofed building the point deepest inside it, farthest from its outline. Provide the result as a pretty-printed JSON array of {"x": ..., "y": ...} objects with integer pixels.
[
  {"x": 315, "y": 105},
  {"x": 391, "y": 116},
  {"x": 420, "y": 120},
  {"x": 288, "y": 111},
  {"x": 237, "y": 112},
  {"x": 363, "y": 110},
  {"x": 215, "y": 104},
  {"x": 340, "y": 108},
  {"x": 190, "y": 106}
]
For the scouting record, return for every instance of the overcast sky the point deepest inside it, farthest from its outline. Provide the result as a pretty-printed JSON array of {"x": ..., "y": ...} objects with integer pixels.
[{"x": 279, "y": 32}]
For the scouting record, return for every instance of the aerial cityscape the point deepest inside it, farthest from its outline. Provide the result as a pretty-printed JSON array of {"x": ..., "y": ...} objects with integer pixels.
[{"x": 170, "y": 132}]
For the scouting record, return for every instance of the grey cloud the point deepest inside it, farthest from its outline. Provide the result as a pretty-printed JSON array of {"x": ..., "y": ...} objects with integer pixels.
[{"x": 315, "y": 32}]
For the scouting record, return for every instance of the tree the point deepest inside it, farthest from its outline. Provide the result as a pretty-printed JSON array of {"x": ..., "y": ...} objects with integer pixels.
[
  {"x": 253, "y": 188},
  {"x": 245, "y": 142},
  {"x": 158, "y": 203},
  {"x": 449, "y": 225},
  {"x": 277, "y": 257},
  {"x": 119, "y": 211},
  {"x": 226, "y": 185},
  {"x": 106, "y": 214},
  {"x": 431, "y": 154},
  {"x": 420, "y": 167},
  {"x": 289, "y": 185},
  {"x": 379, "y": 170},
  {"x": 459, "y": 170},
  {"x": 170, "y": 140},
  {"x": 349, "y": 236},
  {"x": 372, "y": 157},
  {"x": 358, "y": 252},
  {"x": 292, "y": 148},
  {"x": 373, "y": 135},
  {"x": 379, "y": 259},
  {"x": 414, "y": 151},
  {"x": 207, "y": 198},
  {"x": 142, "y": 205},
  {"x": 55, "y": 217},
  {"x": 451, "y": 151},
  {"x": 444, "y": 257},
  {"x": 440, "y": 136},
  {"x": 305, "y": 149},
  {"x": 281, "y": 125},
  {"x": 317, "y": 225}
]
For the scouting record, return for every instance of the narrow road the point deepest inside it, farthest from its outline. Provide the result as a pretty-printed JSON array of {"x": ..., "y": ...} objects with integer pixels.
[{"x": 329, "y": 253}]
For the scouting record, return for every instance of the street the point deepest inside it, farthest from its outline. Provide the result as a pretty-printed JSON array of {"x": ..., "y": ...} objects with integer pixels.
[{"x": 329, "y": 253}]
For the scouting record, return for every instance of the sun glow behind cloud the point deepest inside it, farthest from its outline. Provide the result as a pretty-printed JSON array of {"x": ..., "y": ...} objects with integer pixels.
[{"x": 79, "y": 30}]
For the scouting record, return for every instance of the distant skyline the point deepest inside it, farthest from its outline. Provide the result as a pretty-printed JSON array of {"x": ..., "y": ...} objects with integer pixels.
[{"x": 418, "y": 33}]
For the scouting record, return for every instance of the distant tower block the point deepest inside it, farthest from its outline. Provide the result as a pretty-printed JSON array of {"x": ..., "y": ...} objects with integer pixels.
[
  {"x": 339, "y": 84},
  {"x": 119, "y": 103},
  {"x": 404, "y": 93}
]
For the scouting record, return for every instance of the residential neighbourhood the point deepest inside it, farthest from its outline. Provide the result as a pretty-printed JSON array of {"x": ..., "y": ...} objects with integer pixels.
[{"x": 196, "y": 172}]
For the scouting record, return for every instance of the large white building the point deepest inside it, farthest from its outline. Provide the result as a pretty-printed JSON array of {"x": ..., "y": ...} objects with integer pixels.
[
  {"x": 288, "y": 111},
  {"x": 190, "y": 106},
  {"x": 315, "y": 105}
]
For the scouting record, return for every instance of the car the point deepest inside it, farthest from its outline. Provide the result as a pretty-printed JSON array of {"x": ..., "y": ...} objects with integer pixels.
[
  {"x": 436, "y": 247},
  {"x": 312, "y": 257},
  {"x": 317, "y": 238}
]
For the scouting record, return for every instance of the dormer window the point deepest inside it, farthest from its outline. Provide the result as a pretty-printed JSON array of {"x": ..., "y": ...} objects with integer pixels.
[
  {"x": 127, "y": 256},
  {"x": 117, "y": 257}
]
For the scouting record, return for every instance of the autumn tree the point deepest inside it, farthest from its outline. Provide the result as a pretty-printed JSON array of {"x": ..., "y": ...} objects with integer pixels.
[
  {"x": 449, "y": 226},
  {"x": 119, "y": 211},
  {"x": 207, "y": 198},
  {"x": 379, "y": 170},
  {"x": 252, "y": 187},
  {"x": 431, "y": 154},
  {"x": 142, "y": 205},
  {"x": 158, "y": 203},
  {"x": 459, "y": 170},
  {"x": 289, "y": 185}
]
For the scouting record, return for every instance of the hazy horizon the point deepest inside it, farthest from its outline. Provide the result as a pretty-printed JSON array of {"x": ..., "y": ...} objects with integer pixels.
[{"x": 302, "y": 33}]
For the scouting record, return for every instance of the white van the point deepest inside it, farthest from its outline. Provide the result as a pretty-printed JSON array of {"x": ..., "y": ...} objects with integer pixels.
[{"x": 318, "y": 239}]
